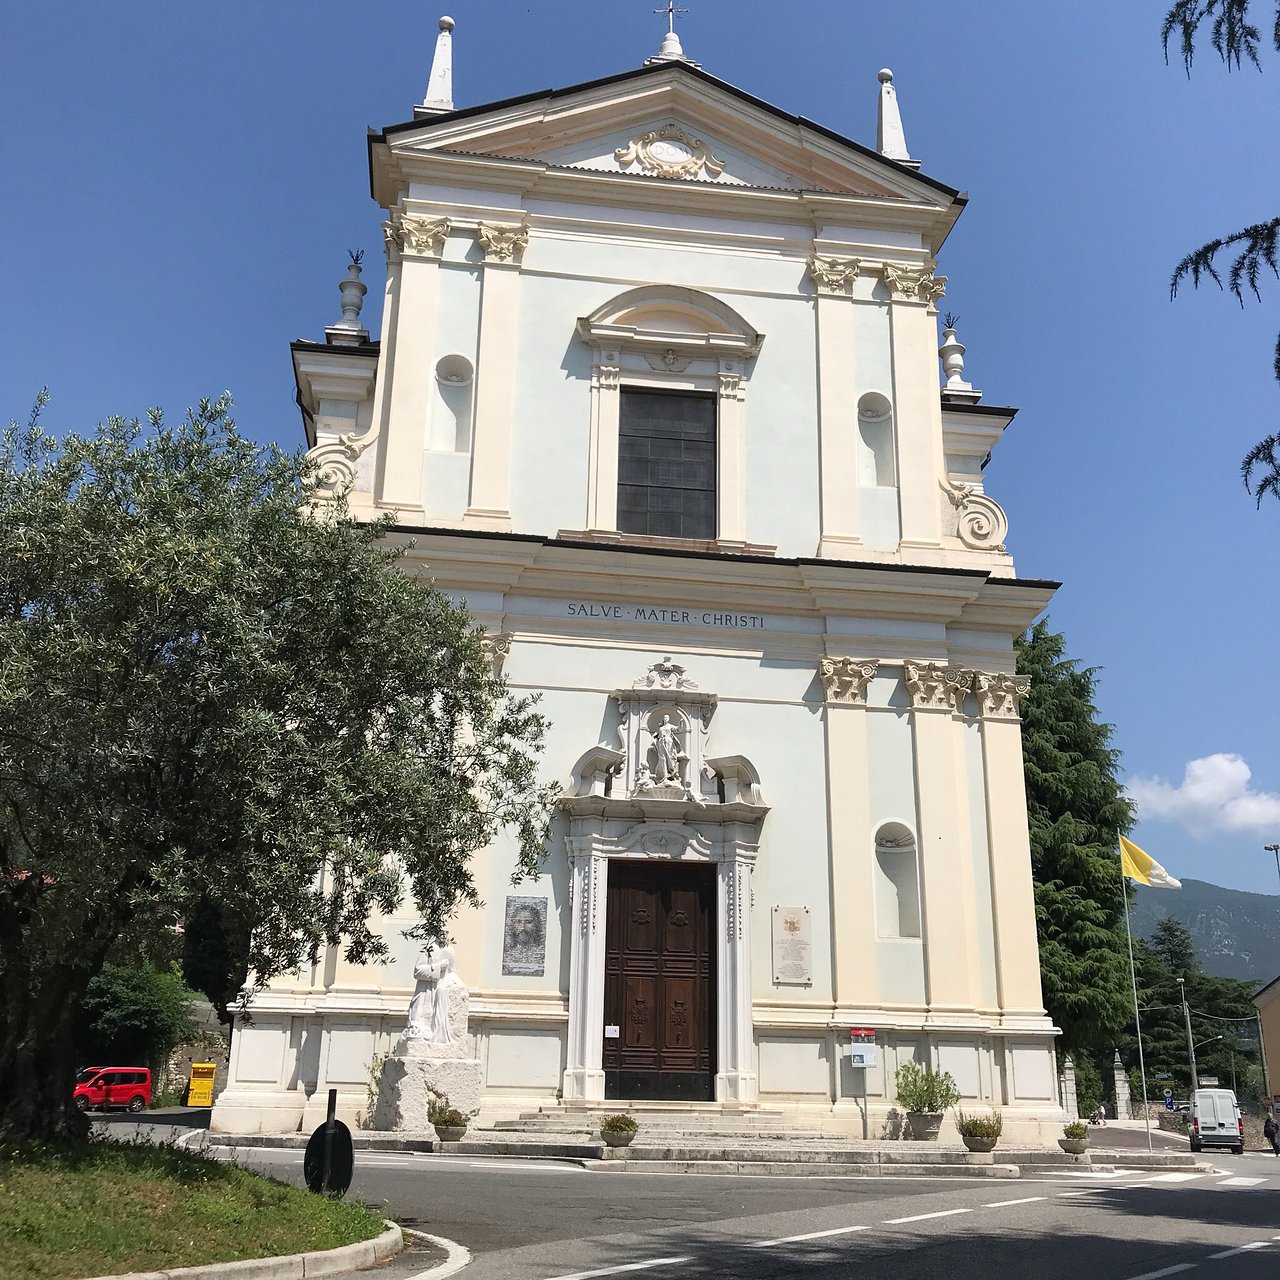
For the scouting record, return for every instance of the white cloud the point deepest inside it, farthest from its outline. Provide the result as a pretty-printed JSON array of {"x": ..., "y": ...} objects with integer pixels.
[{"x": 1214, "y": 795}]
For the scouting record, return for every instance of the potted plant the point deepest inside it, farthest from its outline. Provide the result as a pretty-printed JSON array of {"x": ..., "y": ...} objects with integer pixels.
[
  {"x": 617, "y": 1131},
  {"x": 448, "y": 1122},
  {"x": 924, "y": 1094},
  {"x": 980, "y": 1133},
  {"x": 1075, "y": 1139}
]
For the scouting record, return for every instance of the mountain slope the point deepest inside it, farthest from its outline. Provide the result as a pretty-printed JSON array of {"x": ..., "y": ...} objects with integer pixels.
[{"x": 1237, "y": 934}]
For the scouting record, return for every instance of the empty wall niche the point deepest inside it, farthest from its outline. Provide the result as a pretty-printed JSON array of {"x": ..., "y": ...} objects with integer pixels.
[
  {"x": 876, "y": 469},
  {"x": 897, "y": 882},
  {"x": 451, "y": 407},
  {"x": 877, "y": 472}
]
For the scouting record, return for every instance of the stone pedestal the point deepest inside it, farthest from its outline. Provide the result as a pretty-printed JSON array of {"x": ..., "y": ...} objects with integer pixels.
[{"x": 419, "y": 1072}]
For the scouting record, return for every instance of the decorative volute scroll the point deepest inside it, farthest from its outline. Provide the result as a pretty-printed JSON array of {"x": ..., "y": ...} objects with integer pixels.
[
  {"x": 1001, "y": 694},
  {"x": 980, "y": 522},
  {"x": 936, "y": 686},
  {"x": 846, "y": 679},
  {"x": 502, "y": 243},
  {"x": 417, "y": 235},
  {"x": 497, "y": 647},
  {"x": 336, "y": 462},
  {"x": 834, "y": 275},
  {"x": 660, "y": 766},
  {"x": 669, "y": 152},
  {"x": 915, "y": 283}
]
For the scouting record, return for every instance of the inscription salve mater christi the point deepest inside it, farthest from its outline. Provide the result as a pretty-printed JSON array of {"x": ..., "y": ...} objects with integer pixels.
[{"x": 671, "y": 616}]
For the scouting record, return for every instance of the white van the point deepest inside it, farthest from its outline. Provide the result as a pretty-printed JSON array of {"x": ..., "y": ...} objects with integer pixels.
[{"x": 1215, "y": 1120}]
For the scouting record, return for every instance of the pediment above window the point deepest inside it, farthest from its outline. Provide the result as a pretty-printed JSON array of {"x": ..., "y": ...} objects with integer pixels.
[{"x": 666, "y": 318}]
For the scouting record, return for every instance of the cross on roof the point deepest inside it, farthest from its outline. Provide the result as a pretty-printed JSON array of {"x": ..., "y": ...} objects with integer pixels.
[{"x": 671, "y": 10}]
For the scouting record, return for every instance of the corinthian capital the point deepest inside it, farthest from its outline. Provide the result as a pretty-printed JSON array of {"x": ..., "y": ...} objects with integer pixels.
[
  {"x": 935, "y": 686},
  {"x": 502, "y": 243},
  {"x": 496, "y": 646},
  {"x": 846, "y": 679},
  {"x": 918, "y": 284},
  {"x": 423, "y": 235},
  {"x": 834, "y": 275},
  {"x": 1001, "y": 695}
]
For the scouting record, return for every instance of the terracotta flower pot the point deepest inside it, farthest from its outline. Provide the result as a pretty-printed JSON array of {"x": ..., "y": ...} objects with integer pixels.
[
  {"x": 979, "y": 1144},
  {"x": 617, "y": 1137},
  {"x": 923, "y": 1126},
  {"x": 450, "y": 1133},
  {"x": 1074, "y": 1146}
]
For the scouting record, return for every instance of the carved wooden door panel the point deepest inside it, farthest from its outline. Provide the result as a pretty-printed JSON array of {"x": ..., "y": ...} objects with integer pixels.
[{"x": 659, "y": 993}]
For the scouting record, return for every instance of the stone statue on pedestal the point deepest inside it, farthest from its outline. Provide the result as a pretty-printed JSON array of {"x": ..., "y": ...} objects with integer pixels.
[{"x": 434, "y": 1057}]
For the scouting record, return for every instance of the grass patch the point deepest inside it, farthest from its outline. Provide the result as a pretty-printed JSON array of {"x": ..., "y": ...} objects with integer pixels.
[{"x": 105, "y": 1208}]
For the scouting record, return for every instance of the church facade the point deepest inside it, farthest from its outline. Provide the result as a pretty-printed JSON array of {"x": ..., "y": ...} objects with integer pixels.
[{"x": 657, "y": 396}]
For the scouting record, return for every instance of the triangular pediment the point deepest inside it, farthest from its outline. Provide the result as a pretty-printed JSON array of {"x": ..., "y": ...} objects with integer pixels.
[{"x": 670, "y": 123}]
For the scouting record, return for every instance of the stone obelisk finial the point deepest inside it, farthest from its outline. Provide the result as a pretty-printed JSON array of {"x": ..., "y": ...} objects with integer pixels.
[
  {"x": 891, "y": 138},
  {"x": 440, "y": 86}
]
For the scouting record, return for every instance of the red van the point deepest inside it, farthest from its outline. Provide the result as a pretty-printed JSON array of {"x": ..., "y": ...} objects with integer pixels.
[{"x": 99, "y": 1088}]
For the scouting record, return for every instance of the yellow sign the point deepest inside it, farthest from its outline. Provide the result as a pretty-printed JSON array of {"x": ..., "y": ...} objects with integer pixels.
[{"x": 200, "y": 1088}]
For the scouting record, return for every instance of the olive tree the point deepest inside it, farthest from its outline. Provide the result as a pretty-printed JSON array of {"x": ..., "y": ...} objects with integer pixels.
[{"x": 215, "y": 689}]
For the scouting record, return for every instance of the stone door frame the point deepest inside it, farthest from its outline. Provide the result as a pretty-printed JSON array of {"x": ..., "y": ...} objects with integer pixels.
[{"x": 732, "y": 847}]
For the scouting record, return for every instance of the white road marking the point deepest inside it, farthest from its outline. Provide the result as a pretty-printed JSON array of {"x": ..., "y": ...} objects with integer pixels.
[
  {"x": 459, "y": 1256},
  {"x": 1177, "y": 1177},
  {"x": 1087, "y": 1191},
  {"x": 630, "y": 1266},
  {"x": 1244, "y": 1248},
  {"x": 1168, "y": 1271},
  {"x": 924, "y": 1217},
  {"x": 1242, "y": 1182},
  {"x": 810, "y": 1235},
  {"x": 527, "y": 1168},
  {"x": 1004, "y": 1204}
]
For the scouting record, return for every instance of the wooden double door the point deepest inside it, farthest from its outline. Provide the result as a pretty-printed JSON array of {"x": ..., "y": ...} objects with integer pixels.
[{"x": 659, "y": 984}]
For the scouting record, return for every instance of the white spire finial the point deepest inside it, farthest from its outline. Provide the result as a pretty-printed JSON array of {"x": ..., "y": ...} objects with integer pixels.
[
  {"x": 672, "y": 50},
  {"x": 891, "y": 139},
  {"x": 440, "y": 86},
  {"x": 349, "y": 332}
]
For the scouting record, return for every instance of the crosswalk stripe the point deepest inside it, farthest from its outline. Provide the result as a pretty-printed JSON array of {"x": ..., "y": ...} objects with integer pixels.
[
  {"x": 809, "y": 1235},
  {"x": 1242, "y": 1182}
]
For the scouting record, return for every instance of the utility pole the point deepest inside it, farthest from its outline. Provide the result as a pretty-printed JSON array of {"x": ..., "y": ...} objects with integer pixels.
[
  {"x": 1191, "y": 1047},
  {"x": 1274, "y": 848}
]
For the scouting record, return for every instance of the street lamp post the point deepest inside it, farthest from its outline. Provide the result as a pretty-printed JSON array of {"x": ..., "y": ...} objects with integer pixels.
[{"x": 1191, "y": 1048}]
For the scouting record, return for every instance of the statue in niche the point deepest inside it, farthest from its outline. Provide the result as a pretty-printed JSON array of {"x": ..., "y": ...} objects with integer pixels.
[
  {"x": 436, "y": 974},
  {"x": 666, "y": 744}
]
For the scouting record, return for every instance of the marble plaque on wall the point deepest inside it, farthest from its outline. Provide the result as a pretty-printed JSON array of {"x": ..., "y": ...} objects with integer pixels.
[
  {"x": 792, "y": 946},
  {"x": 524, "y": 937}
]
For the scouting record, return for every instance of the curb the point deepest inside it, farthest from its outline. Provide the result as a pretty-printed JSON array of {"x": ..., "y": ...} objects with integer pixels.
[
  {"x": 459, "y": 1256},
  {"x": 292, "y": 1266}
]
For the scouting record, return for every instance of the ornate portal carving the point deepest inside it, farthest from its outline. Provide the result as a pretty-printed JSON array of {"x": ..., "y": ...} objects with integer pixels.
[
  {"x": 916, "y": 283},
  {"x": 670, "y": 152},
  {"x": 1001, "y": 694},
  {"x": 665, "y": 675},
  {"x": 980, "y": 521},
  {"x": 846, "y": 679},
  {"x": 935, "y": 686},
  {"x": 834, "y": 275},
  {"x": 502, "y": 243}
]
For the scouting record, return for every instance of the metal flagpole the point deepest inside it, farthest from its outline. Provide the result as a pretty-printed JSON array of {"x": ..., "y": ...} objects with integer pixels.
[{"x": 1137, "y": 1020}]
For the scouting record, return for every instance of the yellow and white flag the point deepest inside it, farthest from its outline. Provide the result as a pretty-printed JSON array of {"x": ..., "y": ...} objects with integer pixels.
[{"x": 1142, "y": 867}]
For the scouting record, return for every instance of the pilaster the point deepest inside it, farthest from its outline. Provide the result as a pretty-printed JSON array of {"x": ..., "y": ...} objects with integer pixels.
[
  {"x": 855, "y": 964},
  {"x": 417, "y": 242},
  {"x": 912, "y": 295},
  {"x": 503, "y": 248},
  {"x": 946, "y": 885},
  {"x": 602, "y": 459},
  {"x": 837, "y": 405},
  {"x": 1012, "y": 888},
  {"x": 736, "y": 1080},
  {"x": 589, "y": 880}
]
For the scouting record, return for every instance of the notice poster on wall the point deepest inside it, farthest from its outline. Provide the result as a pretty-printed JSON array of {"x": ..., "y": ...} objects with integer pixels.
[{"x": 792, "y": 946}]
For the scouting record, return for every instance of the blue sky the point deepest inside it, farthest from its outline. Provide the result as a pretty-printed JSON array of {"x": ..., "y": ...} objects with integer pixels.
[{"x": 182, "y": 182}]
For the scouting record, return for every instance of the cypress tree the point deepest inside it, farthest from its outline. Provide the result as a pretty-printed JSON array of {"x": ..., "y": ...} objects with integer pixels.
[{"x": 1077, "y": 809}]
